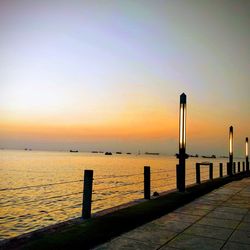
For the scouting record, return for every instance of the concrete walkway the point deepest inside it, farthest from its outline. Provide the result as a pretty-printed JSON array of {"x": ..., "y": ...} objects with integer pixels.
[{"x": 218, "y": 220}]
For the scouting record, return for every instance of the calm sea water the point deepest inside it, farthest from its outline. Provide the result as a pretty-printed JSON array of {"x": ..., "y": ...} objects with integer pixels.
[{"x": 117, "y": 179}]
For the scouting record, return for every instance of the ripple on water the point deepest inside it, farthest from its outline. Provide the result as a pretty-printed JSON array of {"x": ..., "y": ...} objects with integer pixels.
[{"x": 22, "y": 211}]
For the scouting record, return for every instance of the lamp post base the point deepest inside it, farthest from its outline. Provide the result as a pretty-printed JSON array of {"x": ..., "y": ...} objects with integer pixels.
[{"x": 181, "y": 171}]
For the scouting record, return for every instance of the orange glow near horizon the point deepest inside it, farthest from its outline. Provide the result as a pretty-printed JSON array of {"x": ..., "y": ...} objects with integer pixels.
[
  {"x": 127, "y": 127},
  {"x": 137, "y": 118}
]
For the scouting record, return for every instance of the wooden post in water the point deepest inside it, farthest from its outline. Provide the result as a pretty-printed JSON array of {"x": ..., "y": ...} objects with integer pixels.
[
  {"x": 87, "y": 194},
  {"x": 147, "y": 182},
  {"x": 221, "y": 170},
  {"x": 238, "y": 166},
  {"x": 211, "y": 171},
  {"x": 198, "y": 173}
]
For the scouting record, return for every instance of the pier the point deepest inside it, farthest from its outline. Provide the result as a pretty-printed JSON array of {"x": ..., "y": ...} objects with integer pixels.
[
  {"x": 213, "y": 196},
  {"x": 217, "y": 220}
]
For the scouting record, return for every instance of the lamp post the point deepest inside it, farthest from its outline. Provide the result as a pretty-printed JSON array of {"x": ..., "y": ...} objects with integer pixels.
[
  {"x": 182, "y": 156},
  {"x": 247, "y": 161},
  {"x": 230, "y": 163}
]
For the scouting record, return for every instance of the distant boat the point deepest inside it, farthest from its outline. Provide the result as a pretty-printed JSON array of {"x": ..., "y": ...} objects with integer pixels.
[
  {"x": 118, "y": 153},
  {"x": 205, "y": 163},
  {"x": 108, "y": 153},
  {"x": 212, "y": 156},
  {"x": 194, "y": 155},
  {"x": 149, "y": 153},
  {"x": 73, "y": 151},
  {"x": 128, "y": 153},
  {"x": 94, "y": 152}
]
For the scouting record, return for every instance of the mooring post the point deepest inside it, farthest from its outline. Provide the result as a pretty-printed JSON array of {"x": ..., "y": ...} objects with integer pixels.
[
  {"x": 147, "y": 182},
  {"x": 87, "y": 194},
  {"x": 243, "y": 166},
  {"x": 238, "y": 166},
  {"x": 221, "y": 170},
  {"x": 210, "y": 171},
  {"x": 198, "y": 173}
]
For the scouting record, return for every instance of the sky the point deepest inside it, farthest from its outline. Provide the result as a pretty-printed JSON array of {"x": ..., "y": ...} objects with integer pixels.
[{"x": 107, "y": 75}]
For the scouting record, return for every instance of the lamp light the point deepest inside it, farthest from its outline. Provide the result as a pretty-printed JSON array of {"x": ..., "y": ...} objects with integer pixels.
[
  {"x": 182, "y": 122},
  {"x": 246, "y": 147}
]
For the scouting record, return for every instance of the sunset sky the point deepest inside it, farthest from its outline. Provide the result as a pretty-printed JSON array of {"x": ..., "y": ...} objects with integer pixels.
[{"x": 107, "y": 75}]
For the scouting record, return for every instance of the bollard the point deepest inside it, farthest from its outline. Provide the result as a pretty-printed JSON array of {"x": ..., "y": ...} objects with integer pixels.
[
  {"x": 180, "y": 177},
  {"x": 177, "y": 176},
  {"x": 229, "y": 169},
  {"x": 221, "y": 170},
  {"x": 243, "y": 166},
  {"x": 147, "y": 182},
  {"x": 234, "y": 168},
  {"x": 198, "y": 173},
  {"x": 87, "y": 194},
  {"x": 210, "y": 171},
  {"x": 238, "y": 166}
]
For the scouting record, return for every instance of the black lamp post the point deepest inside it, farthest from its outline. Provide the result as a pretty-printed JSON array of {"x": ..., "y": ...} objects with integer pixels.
[
  {"x": 182, "y": 156},
  {"x": 230, "y": 163},
  {"x": 247, "y": 161}
]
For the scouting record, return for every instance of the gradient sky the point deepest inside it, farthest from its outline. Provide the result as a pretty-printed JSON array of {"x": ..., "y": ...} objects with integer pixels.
[{"x": 108, "y": 74}]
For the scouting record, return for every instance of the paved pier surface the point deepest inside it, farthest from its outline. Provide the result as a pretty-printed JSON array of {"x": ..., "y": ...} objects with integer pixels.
[{"x": 218, "y": 220}]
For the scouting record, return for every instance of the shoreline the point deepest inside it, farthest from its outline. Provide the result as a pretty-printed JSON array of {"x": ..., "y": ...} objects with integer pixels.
[{"x": 110, "y": 223}]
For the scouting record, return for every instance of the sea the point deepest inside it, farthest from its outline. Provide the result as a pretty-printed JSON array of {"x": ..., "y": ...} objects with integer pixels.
[{"x": 42, "y": 188}]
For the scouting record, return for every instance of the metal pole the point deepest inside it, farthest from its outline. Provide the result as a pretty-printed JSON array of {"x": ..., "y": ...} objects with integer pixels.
[
  {"x": 198, "y": 173},
  {"x": 230, "y": 167},
  {"x": 247, "y": 160},
  {"x": 87, "y": 194},
  {"x": 181, "y": 172},
  {"x": 221, "y": 170},
  {"x": 181, "y": 167},
  {"x": 211, "y": 171},
  {"x": 147, "y": 182}
]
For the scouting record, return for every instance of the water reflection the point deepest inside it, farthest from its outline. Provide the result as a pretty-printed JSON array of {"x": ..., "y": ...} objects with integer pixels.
[{"x": 117, "y": 179}]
